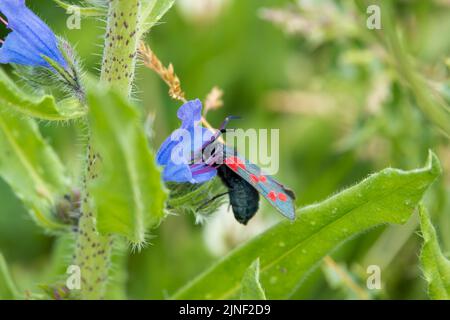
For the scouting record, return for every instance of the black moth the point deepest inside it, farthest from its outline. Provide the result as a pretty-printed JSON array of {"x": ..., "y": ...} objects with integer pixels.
[
  {"x": 244, "y": 199},
  {"x": 245, "y": 182}
]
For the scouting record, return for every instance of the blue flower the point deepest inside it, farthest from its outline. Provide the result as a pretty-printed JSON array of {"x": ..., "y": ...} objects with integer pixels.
[
  {"x": 176, "y": 151},
  {"x": 30, "y": 39}
]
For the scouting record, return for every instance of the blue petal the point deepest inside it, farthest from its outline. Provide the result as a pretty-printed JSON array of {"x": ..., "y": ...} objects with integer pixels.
[
  {"x": 177, "y": 140},
  {"x": 198, "y": 136},
  {"x": 32, "y": 31},
  {"x": 186, "y": 141},
  {"x": 8, "y": 7},
  {"x": 177, "y": 173},
  {"x": 190, "y": 113},
  {"x": 12, "y": 52},
  {"x": 165, "y": 151}
]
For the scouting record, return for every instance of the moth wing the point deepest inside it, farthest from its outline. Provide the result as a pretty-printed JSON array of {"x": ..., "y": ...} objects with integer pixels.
[{"x": 274, "y": 192}]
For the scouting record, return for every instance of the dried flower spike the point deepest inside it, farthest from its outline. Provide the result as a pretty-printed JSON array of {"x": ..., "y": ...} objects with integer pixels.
[
  {"x": 152, "y": 62},
  {"x": 213, "y": 100}
]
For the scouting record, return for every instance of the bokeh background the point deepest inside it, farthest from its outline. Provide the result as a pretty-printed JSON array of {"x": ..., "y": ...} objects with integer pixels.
[{"x": 309, "y": 68}]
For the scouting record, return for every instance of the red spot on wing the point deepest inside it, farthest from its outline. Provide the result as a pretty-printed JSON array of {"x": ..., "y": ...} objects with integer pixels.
[
  {"x": 254, "y": 178},
  {"x": 272, "y": 196},
  {"x": 262, "y": 178},
  {"x": 282, "y": 196},
  {"x": 234, "y": 163}
]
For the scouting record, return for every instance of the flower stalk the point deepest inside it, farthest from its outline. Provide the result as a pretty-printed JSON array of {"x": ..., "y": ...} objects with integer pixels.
[
  {"x": 93, "y": 251},
  {"x": 121, "y": 44}
]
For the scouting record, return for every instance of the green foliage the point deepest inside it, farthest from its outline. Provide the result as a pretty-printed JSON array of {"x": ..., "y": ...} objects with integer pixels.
[
  {"x": 187, "y": 198},
  {"x": 85, "y": 11},
  {"x": 433, "y": 106},
  {"x": 12, "y": 98},
  {"x": 32, "y": 169},
  {"x": 251, "y": 288},
  {"x": 8, "y": 290},
  {"x": 347, "y": 100},
  {"x": 128, "y": 194},
  {"x": 339, "y": 278},
  {"x": 153, "y": 11},
  {"x": 436, "y": 267},
  {"x": 289, "y": 251}
]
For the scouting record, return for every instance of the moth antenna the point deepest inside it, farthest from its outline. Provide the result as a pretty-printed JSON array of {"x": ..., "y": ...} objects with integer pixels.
[
  {"x": 222, "y": 129},
  {"x": 227, "y": 120}
]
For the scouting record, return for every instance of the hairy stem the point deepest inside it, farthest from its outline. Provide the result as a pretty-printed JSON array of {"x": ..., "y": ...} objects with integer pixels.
[
  {"x": 119, "y": 57},
  {"x": 93, "y": 251},
  {"x": 93, "y": 257}
]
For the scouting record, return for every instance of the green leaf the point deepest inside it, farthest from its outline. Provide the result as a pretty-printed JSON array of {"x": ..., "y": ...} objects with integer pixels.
[
  {"x": 153, "y": 11},
  {"x": 84, "y": 11},
  {"x": 251, "y": 288},
  {"x": 128, "y": 194},
  {"x": 32, "y": 168},
  {"x": 12, "y": 98},
  {"x": 436, "y": 267},
  {"x": 8, "y": 290},
  {"x": 289, "y": 251}
]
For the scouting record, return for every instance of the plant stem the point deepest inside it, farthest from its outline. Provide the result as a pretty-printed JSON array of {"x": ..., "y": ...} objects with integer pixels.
[
  {"x": 93, "y": 251},
  {"x": 119, "y": 57},
  {"x": 9, "y": 290}
]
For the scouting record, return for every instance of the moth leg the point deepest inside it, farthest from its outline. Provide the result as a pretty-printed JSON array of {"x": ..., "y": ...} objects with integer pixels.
[
  {"x": 214, "y": 159},
  {"x": 211, "y": 200}
]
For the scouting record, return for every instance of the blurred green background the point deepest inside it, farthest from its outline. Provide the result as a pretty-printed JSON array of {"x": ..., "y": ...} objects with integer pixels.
[{"x": 309, "y": 68}]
